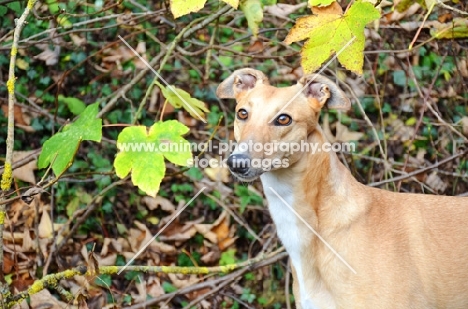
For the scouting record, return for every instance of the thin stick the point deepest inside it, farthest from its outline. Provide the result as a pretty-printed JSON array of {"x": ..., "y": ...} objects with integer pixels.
[{"x": 7, "y": 176}]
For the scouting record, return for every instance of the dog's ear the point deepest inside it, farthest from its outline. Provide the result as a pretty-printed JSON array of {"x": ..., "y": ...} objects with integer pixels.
[
  {"x": 324, "y": 91},
  {"x": 240, "y": 81}
]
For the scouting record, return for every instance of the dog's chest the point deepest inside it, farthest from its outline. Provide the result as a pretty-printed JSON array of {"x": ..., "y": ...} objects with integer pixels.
[
  {"x": 279, "y": 193},
  {"x": 285, "y": 221}
]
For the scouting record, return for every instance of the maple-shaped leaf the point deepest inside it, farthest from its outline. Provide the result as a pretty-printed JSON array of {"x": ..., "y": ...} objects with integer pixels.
[
  {"x": 142, "y": 153},
  {"x": 180, "y": 98},
  {"x": 61, "y": 148},
  {"x": 329, "y": 33}
]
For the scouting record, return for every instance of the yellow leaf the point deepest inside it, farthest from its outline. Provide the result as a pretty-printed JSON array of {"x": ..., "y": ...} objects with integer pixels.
[
  {"x": 22, "y": 64},
  {"x": 153, "y": 220},
  {"x": 329, "y": 33},
  {"x": 180, "y": 98},
  {"x": 304, "y": 26},
  {"x": 184, "y": 7}
]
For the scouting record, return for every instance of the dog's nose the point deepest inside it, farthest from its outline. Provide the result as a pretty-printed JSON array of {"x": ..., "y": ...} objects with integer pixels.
[{"x": 239, "y": 163}]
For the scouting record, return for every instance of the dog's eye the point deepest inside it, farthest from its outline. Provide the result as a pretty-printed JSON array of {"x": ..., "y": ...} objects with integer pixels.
[
  {"x": 242, "y": 114},
  {"x": 283, "y": 120}
]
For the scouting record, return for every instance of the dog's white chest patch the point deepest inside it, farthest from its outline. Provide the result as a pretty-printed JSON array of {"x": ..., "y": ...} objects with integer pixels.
[{"x": 287, "y": 226}]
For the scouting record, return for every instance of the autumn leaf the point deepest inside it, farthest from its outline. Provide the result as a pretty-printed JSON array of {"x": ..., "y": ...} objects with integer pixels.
[
  {"x": 329, "y": 33},
  {"x": 180, "y": 98}
]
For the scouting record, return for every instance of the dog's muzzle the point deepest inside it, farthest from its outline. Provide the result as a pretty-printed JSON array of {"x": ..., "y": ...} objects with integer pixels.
[{"x": 239, "y": 164}]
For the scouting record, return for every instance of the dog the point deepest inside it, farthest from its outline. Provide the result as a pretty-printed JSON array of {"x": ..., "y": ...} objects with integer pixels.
[{"x": 351, "y": 246}]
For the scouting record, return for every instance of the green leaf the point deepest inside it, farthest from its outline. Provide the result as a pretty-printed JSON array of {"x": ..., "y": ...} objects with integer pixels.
[
  {"x": 329, "y": 33},
  {"x": 15, "y": 6},
  {"x": 180, "y": 98},
  {"x": 54, "y": 8},
  {"x": 3, "y": 10},
  {"x": 253, "y": 11},
  {"x": 142, "y": 153},
  {"x": 60, "y": 149},
  {"x": 228, "y": 257},
  {"x": 184, "y": 7},
  {"x": 168, "y": 288},
  {"x": 320, "y": 2},
  {"x": 170, "y": 132},
  {"x": 104, "y": 280},
  {"x": 76, "y": 106}
]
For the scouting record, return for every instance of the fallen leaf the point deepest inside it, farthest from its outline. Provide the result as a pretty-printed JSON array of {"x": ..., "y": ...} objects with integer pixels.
[
  {"x": 78, "y": 40},
  {"x": 464, "y": 122},
  {"x": 218, "y": 173},
  {"x": 211, "y": 257},
  {"x": 44, "y": 297},
  {"x": 435, "y": 182},
  {"x": 154, "y": 202},
  {"x": 45, "y": 226},
  {"x": 26, "y": 172},
  {"x": 49, "y": 56},
  {"x": 343, "y": 134},
  {"x": 456, "y": 29},
  {"x": 18, "y": 114}
]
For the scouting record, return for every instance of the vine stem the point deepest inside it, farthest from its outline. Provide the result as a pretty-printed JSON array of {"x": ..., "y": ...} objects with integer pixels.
[
  {"x": 92, "y": 270},
  {"x": 7, "y": 175}
]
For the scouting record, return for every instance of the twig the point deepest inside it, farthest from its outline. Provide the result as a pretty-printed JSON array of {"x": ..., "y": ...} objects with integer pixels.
[
  {"x": 422, "y": 170},
  {"x": 212, "y": 283},
  {"x": 445, "y": 6},
  {"x": 235, "y": 216},
  {"x": 52, "y": 280},
  {"x": 88, "y": 210},
  {"x": 366, "y": 118},
  {"x": 47, "y": 281},
  {"x": 425, "y": 98},
  {"x": 166, "y": 53},
  {"x": 7, "y": 176},
  {"x": 429, "y": 11}
]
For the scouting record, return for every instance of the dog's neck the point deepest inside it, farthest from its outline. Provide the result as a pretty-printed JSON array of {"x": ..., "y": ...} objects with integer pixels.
[{"x": 322, "y": 188}]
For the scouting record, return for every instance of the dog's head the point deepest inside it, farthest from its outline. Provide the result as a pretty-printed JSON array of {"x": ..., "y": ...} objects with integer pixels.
[{"x": 272, "y": 122}]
